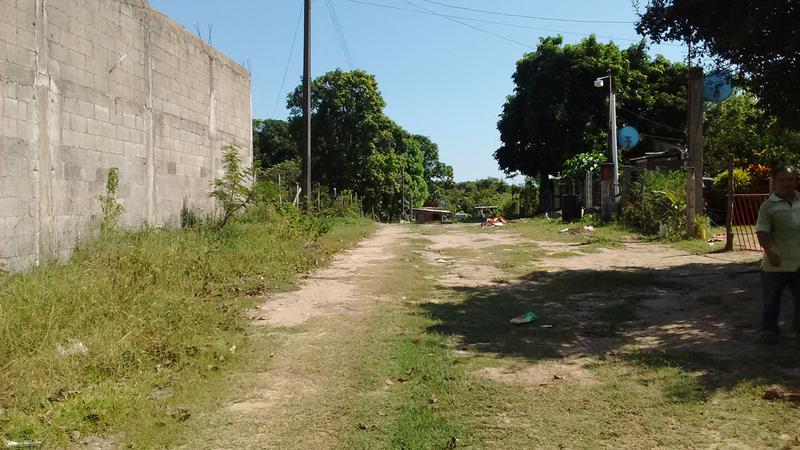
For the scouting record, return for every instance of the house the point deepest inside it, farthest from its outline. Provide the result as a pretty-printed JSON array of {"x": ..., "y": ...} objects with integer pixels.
[
  {"x": 425, "y": 215},
  {"x": 666, "y": 158}
]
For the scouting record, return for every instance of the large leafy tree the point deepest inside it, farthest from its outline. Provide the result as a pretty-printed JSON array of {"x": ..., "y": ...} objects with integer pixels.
[
  {"x": 556, "y": 112},
  {"x": 738, "y": 126},
  {"x": 760, "y": 38},
  {"x": 438, "y": 175},
  {"x": 273, "y": 142},
  {"x": 356, "y": 146}
]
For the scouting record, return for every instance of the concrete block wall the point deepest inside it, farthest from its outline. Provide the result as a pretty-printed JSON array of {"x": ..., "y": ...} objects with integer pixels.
[{"x": 87, "y": 85}]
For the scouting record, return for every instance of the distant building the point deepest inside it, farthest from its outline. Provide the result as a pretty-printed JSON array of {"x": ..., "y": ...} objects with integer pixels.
[
  {"x": 670, "y": 158},
  {"x": 426, "y": 215}
]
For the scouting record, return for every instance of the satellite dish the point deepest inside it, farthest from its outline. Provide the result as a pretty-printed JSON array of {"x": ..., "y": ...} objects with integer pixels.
[
  {"x": 628, "y": 137},
  {"x": 717, "y": 86}
]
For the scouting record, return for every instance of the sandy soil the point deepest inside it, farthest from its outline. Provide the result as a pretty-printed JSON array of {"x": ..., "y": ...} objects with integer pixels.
[
  {"x": 326, "y": 316},
  {"x": 333, "y": 289}
]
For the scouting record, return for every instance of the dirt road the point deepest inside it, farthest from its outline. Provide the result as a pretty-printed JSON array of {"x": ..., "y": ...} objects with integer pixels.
[{"x": 319, "y": 383}]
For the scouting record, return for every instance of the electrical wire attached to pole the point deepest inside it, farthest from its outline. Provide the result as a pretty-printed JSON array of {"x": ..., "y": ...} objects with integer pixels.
[
  {"x": 499, "y": 36},
  {"x": 337, "y": 26},
  {"x": 288, "y": 60},
  {"x": 523, "y": 16}
]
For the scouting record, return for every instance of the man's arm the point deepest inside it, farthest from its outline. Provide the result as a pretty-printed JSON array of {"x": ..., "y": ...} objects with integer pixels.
[{"x": 763, "y": 241}]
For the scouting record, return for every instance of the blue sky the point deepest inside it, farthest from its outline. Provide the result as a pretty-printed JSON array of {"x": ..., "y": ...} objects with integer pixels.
[{"x": 439, "y": 78}]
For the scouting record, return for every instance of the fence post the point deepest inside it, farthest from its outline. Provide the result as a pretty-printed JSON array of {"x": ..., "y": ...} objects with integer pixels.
[
  {"x": 690, "y": 201},
  {"x": 729, "y": 212},
  {"x": 588, "y": 190}
]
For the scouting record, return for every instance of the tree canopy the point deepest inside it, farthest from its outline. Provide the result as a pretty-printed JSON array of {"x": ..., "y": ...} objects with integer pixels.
[
  {"x": 555, "y": 112},
  {"x": 273, "y": 142},
  {"x": 355, "y": 146},
  {"x": 740, "y": 127},
  {"x": 760, "y": 38}
]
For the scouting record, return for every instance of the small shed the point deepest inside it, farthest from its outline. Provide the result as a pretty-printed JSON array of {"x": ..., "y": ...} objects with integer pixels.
[{"x": 425, "y": 214}]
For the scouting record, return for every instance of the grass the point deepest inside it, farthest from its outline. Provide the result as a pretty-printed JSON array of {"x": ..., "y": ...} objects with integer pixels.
[
  {"x": 425, "y": 397},
  {"x": 603, "y": 235},
  {"x": 160, "y": 313},
  {"x": 605, "y": 393}
]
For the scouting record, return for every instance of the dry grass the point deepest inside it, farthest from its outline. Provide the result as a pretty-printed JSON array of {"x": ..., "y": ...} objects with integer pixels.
[{"x": 160, "y": 314}]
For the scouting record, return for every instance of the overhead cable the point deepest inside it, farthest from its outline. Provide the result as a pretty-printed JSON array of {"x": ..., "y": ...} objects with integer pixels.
[
  {"x": 288, "y": 60},
  {"x": 499, "y": 36},
  {"x": 337, "y": 26},
  {"x": 507, "y": 24},
  {"x": 523, "y": 16}
]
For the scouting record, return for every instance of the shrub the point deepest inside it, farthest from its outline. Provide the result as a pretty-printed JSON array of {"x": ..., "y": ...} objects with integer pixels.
[
  {"x": 742, "y": 180},
  {"x": 575, "y": 168},
  {"x": 111, "y": 208},
  {"x": 658, "y": 198},
  {"x": 235, "y": 190}
]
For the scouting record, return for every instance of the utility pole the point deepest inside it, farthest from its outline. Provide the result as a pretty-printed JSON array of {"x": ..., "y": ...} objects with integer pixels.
[
  {"x": 613, "y": 128},
  {"x": 694, "y": 179},
  {"x": 307, "y": 104}
]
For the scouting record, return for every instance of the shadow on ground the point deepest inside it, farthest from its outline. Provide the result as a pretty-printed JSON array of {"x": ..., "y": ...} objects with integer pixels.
[{"x": 701, "y": 318}]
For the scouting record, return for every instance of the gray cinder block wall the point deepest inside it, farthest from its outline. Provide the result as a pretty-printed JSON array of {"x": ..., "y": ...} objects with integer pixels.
[{"x": 86, "y": 85}]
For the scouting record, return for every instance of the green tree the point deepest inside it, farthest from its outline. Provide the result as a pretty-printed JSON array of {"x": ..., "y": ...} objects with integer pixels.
[
  {"x": 356, "y": 147},
  {"x": 273, "y": 142},
  {"x": 438, "y": 175},
  {"x": 556, "y": 112},
  {"x": 758, "y": 38},
  {"x": 739, "y": 126}
]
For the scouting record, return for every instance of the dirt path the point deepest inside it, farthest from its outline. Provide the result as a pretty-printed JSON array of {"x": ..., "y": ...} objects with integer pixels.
[
  {"x": 296, "y": 398},
  {"x": 299, "y": 395},
  {"x": 675, "y": 279}
]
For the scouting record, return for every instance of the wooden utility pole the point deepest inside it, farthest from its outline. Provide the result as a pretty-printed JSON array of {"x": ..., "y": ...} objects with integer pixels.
[
  {"x": 694, "y": 164},
  {"x": 696, "y": 134},
  {"x": 307, "y": 104}
]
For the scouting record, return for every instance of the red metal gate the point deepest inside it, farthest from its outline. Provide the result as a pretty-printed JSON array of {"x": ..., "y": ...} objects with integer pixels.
[{"x": 745, "y": 213}]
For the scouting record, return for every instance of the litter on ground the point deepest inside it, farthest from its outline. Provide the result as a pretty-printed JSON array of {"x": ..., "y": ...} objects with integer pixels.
[
  {"x": 497, "y": 221},
  {"x": 528, "y": 317}
]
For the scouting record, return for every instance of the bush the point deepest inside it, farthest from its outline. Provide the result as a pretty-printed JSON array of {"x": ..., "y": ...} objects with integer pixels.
[
  {"x": 742, "y": 180},
  {"x": 658, "y": 198}
]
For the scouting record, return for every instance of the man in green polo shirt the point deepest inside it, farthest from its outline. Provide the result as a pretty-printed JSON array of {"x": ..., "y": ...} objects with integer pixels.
[{"x": 778, "y": 230}]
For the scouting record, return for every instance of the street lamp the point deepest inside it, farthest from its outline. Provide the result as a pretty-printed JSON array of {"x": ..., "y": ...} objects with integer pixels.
[{"x": 612, "y": 126}]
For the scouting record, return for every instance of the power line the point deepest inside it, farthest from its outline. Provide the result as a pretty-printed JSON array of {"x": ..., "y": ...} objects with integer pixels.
[
  {"x": 288, "y": 60},
  {"x": 551, "y": 19},
  {"x": 341, "y": 31},
  {"x": 653, "y": 121},
  {"x": 499, "y": 36},
  {"x": 662, "y": 137},
  {"x": 337, "y": 26},
  {"x": 507, "y": 24}
]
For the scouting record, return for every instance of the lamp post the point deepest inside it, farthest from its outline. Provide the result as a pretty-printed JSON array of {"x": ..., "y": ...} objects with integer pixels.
[{"x": 612, "y": 127}]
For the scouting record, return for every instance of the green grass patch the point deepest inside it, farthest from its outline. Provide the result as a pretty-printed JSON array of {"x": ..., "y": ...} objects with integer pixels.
[
  {"x": 601, "y": 236},
  {"x": 422, "y": 395},
  {"x": 159, "y": 314}
]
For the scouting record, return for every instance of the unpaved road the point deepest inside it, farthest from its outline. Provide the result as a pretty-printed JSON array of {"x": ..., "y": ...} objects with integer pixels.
[{"x": 296, "y": 397}]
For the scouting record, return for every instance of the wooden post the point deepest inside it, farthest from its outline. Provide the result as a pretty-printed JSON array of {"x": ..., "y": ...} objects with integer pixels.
[
  {"x": 729, "y": 212},
  {"x": 696, "y": 135},
  {"x": 690, "y": 204},
  {"x": 306, "y": 152},
  {"x": 588, "y": 190}
]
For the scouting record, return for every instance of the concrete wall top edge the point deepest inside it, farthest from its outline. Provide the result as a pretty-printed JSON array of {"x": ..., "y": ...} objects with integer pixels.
[{"x": 175, "y": 26}]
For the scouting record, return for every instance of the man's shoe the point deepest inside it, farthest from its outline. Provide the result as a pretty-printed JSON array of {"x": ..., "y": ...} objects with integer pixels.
[{"x": 768, "y": 338}]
